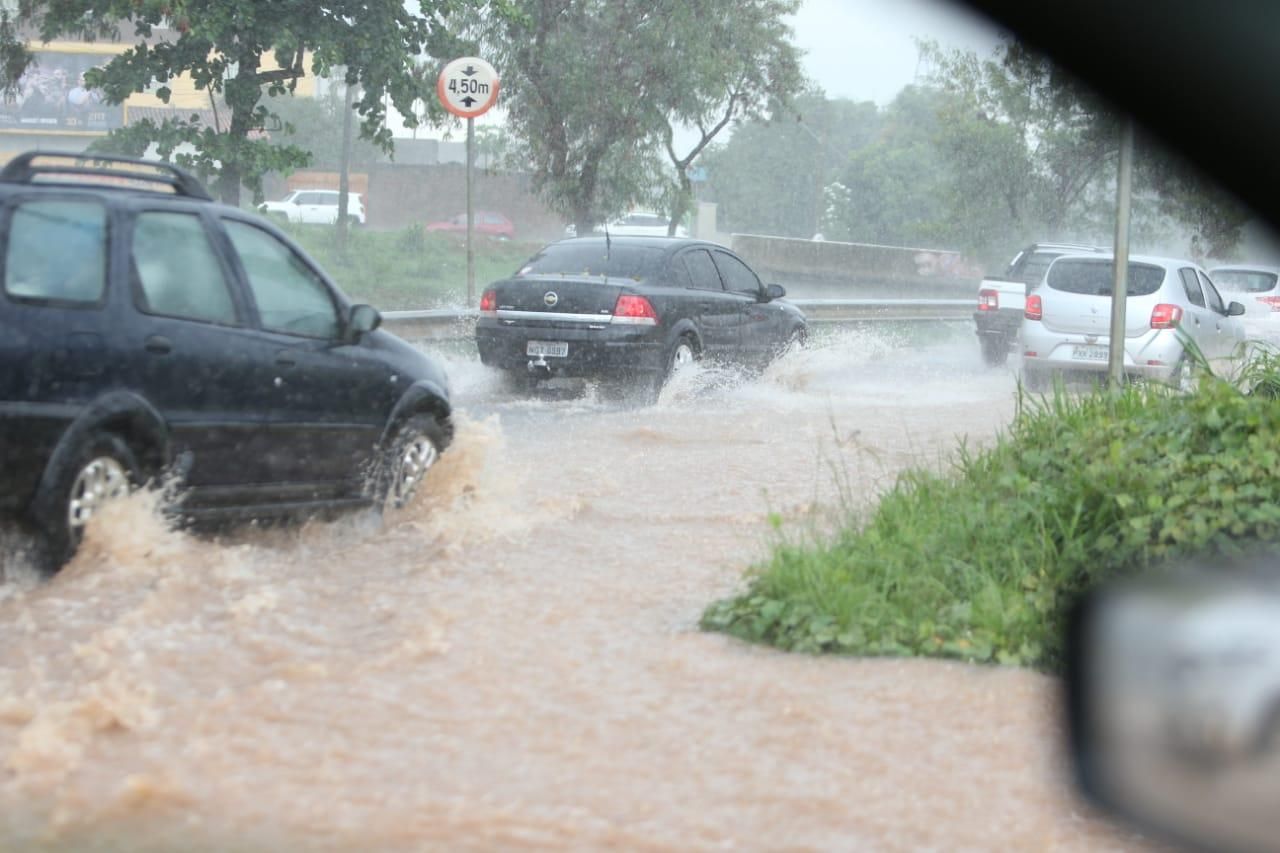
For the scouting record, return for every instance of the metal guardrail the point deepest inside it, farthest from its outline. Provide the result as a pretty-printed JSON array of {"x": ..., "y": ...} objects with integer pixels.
[{"x": 452, "y": 323}]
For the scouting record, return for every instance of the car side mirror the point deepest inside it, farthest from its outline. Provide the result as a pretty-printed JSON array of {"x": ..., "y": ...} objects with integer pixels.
[
  {"x": 1173, "y": 699},
  {"x": 361, "y": 320},
  {"x": 1235, "y": 309},
  {"x": 775, "y": 291}
]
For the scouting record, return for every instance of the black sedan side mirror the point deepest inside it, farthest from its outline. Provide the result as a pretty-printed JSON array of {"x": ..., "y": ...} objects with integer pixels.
[
  {"x": 361, "y": 320},
  {"x": 1173, "y": 694},
  {"x": 1235, "y": 309},
  {"x": 775, "y": 291}
]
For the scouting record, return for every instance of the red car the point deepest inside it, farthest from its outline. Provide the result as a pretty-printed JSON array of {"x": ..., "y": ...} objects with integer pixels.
[{"x": 487, "y": 223}]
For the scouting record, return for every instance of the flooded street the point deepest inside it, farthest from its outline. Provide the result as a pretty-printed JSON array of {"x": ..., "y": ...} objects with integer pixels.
[{"x": 514, "y": 661}]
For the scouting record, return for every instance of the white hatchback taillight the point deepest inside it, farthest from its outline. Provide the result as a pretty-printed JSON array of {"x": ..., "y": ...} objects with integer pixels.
[
  {"x": 1166, "y": 316},
  {"x": 1034, "y": 309}
]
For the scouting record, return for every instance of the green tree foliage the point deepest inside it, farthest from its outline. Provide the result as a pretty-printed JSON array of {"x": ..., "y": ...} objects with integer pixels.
[
  {"x": 241, "y": 50},
  {"x": 744, "y": 66},
  {"x": 769, "y": 177},
  {"x": 592, "y": 87},
  {"x": 1053, "y": 148},
  {"x": 891, "y": 189}
]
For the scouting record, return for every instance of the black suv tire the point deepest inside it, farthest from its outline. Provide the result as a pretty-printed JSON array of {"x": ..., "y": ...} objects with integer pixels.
[
  {"x": 410, "y": 454},
  {"x": 101, "y": 468}
]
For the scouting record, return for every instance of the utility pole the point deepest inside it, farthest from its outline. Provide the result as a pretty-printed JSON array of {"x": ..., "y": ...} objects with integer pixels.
[{"x": 1120, "y": 286}]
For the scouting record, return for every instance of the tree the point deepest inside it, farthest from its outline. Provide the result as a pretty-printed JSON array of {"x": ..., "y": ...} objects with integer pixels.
[
  {"x": 1060, "y": 144},
  {"x": 315, "y": 126},
  {"x": 241, "y": 50},
  {"x": 891, "y": 189},
  {"x": 770, "y": 175},
  {"x": 743, "y": 65},
  {"x": 592, "y": 87}
]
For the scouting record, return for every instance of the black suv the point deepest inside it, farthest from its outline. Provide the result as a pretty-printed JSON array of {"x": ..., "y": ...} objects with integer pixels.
[{"x": 147, "y": 332}]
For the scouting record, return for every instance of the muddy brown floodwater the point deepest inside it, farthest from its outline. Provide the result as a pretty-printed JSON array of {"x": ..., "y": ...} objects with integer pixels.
[{"x": 514, "y": 661}]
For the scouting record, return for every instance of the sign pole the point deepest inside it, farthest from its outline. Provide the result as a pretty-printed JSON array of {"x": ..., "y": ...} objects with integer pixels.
[
  {"x": 1120, "y": 286},
  {"x": 471, "y": 257},
  {"x": 468, "y": 87}
]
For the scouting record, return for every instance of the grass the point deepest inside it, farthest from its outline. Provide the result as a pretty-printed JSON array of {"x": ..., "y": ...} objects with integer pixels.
[
  {"x": 409, "y": 268},
  {"x": 981, "y": 560}
]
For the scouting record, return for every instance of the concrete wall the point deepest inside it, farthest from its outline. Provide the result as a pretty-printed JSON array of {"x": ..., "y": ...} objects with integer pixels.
[
  {"x": 401, "y": 195},
  {"x": 818, "y": 269}
]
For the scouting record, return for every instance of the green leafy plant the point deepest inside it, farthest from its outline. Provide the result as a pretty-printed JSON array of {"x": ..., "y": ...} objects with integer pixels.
[{"x": 980, "y": 561}]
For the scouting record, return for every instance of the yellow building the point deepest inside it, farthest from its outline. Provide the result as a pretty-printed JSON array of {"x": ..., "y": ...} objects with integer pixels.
[{"x": 54, "y": 109}]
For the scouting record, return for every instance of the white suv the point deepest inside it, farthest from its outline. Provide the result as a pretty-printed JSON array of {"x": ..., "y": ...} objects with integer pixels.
[{"x": 314, "y": 207}]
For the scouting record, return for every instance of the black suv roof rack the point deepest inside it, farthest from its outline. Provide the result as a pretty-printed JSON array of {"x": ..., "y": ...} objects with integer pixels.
[{"x": 24, "y": 169}]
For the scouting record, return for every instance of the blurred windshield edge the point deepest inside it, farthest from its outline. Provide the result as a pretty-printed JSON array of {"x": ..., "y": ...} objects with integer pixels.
[{"x": 1217, "y": 102}]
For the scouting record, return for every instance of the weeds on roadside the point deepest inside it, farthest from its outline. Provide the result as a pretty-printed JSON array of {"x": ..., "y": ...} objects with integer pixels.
[
  {"x": 981, "y": 560},
  {"x": 409, "y": 268}
]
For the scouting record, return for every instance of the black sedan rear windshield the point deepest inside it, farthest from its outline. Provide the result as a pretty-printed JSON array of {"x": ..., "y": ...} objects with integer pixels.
[
  {"x": 1244, "y": 281},
  {"x": 1096, "y": 278},
  {"x": 594, "y": 259}
]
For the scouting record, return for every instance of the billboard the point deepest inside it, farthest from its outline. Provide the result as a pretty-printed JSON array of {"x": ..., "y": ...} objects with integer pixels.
[{"x": 52, "y": 97}]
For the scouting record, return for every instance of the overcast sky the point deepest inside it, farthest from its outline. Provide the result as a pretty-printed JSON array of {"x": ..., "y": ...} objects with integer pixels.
[
  {"x": 859, "y": 49},
  {"x": 865, "y": 49}
]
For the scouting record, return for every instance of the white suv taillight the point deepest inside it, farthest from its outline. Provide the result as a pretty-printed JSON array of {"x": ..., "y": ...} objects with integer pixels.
[{"x": 1166, "y": 316}]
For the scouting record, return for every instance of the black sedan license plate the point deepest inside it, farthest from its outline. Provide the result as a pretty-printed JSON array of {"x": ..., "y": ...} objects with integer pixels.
[{"x": 548, "y": 349}]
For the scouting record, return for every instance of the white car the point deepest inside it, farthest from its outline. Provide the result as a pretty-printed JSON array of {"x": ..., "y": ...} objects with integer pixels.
[
  {"x": 314, "y": 207},
  {"x": 1066, "y": 324},
  {"x": 1258, "y": 289},
  {"x": 638, "y": 223}
]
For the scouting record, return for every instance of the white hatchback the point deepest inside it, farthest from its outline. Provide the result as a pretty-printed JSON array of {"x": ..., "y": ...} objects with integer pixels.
[
  {"x": 314, "y": 207},
  {"x": 1067, "y": 321},
  {"x": 1258, "y": 289}
]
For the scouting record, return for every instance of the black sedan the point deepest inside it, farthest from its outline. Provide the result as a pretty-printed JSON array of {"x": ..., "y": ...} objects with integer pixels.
[{"x": 632, "y": 309}]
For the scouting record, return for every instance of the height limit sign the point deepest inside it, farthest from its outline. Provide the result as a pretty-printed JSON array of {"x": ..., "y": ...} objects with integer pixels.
[{"x": 468, "y": 87}]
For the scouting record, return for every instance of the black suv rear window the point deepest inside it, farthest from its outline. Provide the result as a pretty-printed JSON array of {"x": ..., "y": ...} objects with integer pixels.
[
  {"x": 594, "y": 259},
  {"x": 1095, "y": 278},
  {"x": 57, "y": 251}
]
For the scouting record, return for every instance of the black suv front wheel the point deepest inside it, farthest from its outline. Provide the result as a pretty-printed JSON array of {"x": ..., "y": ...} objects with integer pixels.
[
  {"x": 102, "y": 469},
  {"x": 411, "y": 454}
]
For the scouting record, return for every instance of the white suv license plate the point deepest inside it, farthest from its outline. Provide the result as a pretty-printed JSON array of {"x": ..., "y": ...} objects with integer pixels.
[
  {"x": 548, "y": 349},
  {"x": 1089, "y": 353}
]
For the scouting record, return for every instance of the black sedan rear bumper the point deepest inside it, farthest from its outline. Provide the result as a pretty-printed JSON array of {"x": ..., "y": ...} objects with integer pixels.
[{"x": 608, "y": 351}]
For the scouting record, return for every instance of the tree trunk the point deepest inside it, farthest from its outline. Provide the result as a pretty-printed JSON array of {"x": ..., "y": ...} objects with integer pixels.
[
  {"x": 680, "y": 205},
  {"x": 344, "y": 171},
  {"x": 584, "y": 218},
  {"x": 229, "y": 184},
  {"x": 242, "y": 94}
]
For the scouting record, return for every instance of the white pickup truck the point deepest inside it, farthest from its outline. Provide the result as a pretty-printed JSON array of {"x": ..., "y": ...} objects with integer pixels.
[{"x": 1001, "y": 299}]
